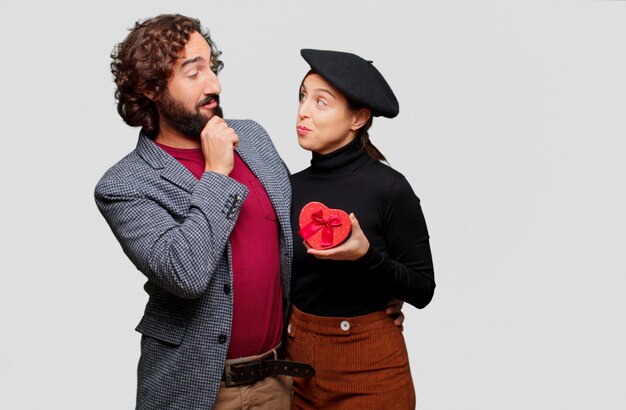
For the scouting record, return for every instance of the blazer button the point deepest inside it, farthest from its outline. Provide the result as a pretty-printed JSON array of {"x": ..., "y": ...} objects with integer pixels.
[
  {"x": 221, "y": 339},
  {"x": 227, "y": 289}
]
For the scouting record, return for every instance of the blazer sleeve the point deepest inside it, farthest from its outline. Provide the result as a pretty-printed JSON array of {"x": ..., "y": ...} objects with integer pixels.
[
  {"x": 407, "y": 266},
  {"x": 179, "y": 257}
]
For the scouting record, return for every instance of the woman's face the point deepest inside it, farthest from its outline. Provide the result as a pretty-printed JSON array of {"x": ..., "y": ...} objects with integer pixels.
[{"x": 325, "y": 123}]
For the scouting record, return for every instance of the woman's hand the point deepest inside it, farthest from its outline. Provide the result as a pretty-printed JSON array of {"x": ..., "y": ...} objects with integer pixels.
[{"x": 352, "y": 249}]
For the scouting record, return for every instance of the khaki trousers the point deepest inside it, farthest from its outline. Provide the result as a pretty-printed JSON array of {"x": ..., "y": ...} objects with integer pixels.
[{"x": 271, "y": 393}]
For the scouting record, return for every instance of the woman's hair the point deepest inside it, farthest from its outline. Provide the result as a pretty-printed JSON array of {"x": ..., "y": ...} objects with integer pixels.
[
  {"x": 362, "y": 134},
  {"x": 142, "y": 65}
]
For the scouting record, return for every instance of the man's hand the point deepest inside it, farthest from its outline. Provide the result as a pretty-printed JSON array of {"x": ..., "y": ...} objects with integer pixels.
[
  {"x": 218, "y": 144},
  {"x": 394, "y": 309},
  {"x": 352, "y": 249}
]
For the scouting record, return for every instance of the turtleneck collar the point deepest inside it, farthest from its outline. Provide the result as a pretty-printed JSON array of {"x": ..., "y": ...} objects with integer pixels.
[{"x": 343, "y": 160}]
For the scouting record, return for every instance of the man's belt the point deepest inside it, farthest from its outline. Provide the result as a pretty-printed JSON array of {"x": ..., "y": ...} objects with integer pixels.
[{"x": 248, "y": 372}]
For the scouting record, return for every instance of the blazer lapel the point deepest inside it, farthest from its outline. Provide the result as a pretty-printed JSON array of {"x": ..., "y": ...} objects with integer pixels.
[
  {"x": 249, "y": 155},
  {"x": 171, "y": 169}
]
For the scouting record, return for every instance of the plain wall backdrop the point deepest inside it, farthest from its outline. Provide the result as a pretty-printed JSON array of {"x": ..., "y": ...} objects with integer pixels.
[{"x": 511, "y": 131}]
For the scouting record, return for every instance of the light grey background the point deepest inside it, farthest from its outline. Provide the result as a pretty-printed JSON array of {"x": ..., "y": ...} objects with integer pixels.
[{"x": 511, "y": 131}]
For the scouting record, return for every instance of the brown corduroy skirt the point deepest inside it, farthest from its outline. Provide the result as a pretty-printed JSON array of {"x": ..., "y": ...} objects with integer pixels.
[{"x": 360, "y": 362}]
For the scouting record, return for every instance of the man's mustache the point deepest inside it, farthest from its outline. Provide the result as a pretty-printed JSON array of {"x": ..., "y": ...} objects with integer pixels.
[{"x": 209, "y": 99}]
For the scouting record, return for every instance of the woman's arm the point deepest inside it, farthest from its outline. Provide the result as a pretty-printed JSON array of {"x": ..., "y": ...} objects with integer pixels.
[{"x": 407, "y": 265}]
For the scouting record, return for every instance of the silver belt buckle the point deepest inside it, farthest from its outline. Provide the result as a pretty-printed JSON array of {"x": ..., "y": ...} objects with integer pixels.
[{"x": 228, "y": 380}]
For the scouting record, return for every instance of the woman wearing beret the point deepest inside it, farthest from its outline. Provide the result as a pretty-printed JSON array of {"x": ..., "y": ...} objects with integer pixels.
[{"x": 339, "y": 295}]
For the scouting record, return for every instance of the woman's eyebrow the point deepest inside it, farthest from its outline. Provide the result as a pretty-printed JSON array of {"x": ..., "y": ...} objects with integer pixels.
[{"x": 325, "y": 90}]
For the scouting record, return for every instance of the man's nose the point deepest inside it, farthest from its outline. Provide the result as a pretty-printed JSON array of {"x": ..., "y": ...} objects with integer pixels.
[{"x": 212, "y": 84}]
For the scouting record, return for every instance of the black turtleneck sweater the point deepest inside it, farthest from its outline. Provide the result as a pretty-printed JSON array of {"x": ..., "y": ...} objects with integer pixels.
[{"x": 398, "y": 262}]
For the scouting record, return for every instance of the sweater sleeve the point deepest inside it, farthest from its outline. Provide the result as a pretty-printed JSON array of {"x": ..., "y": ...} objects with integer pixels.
[{"x": 407, "y": 265}]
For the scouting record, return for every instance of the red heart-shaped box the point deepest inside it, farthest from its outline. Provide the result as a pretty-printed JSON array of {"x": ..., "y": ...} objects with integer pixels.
[{"x": 323, "y": 228}]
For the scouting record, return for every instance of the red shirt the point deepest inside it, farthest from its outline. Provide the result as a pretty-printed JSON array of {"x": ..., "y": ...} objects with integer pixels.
[{"x": 257, "y": 289}]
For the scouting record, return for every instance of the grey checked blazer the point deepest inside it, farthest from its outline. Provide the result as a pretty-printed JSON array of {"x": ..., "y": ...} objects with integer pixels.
[{"x": 175, "y": 229}]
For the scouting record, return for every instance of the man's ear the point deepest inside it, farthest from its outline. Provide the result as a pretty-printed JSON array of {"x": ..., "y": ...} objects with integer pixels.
[
  {"x": 151, "y": 95},
  {"x": 361, "y": 117}
]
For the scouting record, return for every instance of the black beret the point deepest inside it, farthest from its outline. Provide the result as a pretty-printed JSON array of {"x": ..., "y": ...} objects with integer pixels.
[{"x": 356, "y": 78}]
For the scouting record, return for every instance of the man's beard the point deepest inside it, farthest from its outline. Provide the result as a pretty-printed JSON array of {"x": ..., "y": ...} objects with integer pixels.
[{"x": 187, "y": 122}]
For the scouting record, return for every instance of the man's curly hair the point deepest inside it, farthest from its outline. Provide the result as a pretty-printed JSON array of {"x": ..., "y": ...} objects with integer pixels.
[{"x": 142, "y": 64}]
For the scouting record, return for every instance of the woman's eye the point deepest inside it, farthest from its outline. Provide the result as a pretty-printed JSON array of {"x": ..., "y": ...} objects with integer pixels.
[
  {"x": 193, "y": 76},
  {"x": 321, "y": 103},
  {"x": 301, "y": 97}
]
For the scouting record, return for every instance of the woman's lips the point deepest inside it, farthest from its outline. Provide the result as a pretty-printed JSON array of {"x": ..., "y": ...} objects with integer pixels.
[{"x": 302, "y": 130}]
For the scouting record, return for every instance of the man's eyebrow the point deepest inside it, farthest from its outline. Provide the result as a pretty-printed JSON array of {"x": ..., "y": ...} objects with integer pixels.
[{"x": 191, "y": 61}]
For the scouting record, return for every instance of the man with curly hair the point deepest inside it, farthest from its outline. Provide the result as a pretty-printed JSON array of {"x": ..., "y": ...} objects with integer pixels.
[{"x": 201, "y": 208}]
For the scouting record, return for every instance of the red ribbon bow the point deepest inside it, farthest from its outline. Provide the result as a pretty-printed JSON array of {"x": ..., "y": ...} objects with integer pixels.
[{"x": 325, "y": 224}]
